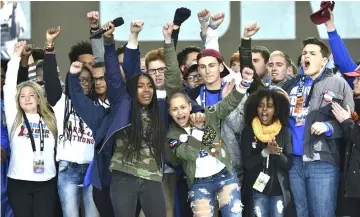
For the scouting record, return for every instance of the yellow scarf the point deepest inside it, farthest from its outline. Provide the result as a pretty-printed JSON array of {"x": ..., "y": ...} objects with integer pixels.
[{"x": 265, "y": 133}]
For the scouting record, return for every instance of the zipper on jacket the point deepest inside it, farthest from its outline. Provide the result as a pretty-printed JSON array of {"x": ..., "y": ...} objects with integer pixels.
[{"x": 111, "y": 136}]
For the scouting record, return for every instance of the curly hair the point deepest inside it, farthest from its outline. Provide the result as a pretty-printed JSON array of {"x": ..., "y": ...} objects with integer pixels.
[
  {"x": 81, "y": 48},
  {"x": 153, "y": 55},
  {"x": 281, "y": 103}
]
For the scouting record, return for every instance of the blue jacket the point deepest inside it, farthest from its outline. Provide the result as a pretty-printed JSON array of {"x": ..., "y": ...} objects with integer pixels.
[
  {"x": 341, "y": 56},
  {"x": 6, "y": 210},
  {"x": 104, "y": 123}
]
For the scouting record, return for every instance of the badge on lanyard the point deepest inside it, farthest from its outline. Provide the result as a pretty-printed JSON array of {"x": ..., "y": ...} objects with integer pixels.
[
  {"x": 263, "y": 178},
  {"x": 300, "y": 118},
  {"x": 38, "y": 165}
]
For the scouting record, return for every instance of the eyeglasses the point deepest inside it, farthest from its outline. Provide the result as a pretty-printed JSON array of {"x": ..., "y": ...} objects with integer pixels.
[
  {"x": 193, "y": 77},
  {"x": 99, "y": 79},
  {"x": 160, "y": 70},
  {"x": 84, "y": 81}
]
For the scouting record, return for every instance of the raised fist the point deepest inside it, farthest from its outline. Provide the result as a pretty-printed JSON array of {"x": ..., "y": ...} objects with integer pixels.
[
  {"x": 28, "y": 50},
  {"x": 217, "y": 19},
  {"x": 167, "y": 31},
  {"x": 93, "y": 17},
  {"x": 19, "y": 48},
  {"x": 136, "y": 26},
  {"x": 247, "y": 74},
  {"x": 181, "y": 14},
  {"x": 251, "y": 29},
  {"x": 110, "y": 28},
  {"x": 76, "y": 67},
  {"x": 198, "y": 119},
  {"x": 52, "y": 34},
  {"x": 204, "y": 16}
]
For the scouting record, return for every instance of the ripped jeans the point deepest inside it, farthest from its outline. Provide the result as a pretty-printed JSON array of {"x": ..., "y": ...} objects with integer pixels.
[
  {"x": 223, "y": 186},
  {"x": 268, "y": 206}
]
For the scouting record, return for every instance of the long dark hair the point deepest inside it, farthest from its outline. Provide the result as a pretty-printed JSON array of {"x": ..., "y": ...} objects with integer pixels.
[
  {"x": 69, "y": 109},
  {"x": 281, "y": 103},
  {"x": 155, "y": 133}
]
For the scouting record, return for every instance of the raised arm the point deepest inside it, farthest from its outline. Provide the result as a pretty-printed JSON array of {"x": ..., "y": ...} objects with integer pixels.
[
  {"x": 10, "y": 100},
  {"x": 23, "y": 74},
  {"x": 340, "y": 53},
  {"x": 212, "y": 36},
  {"x": 181, "y": 15},
  {"x": 113, "y": 78},
  {"x": 232, "y": 96},
  {"x": 52, "y": 82},
  {"x": 131, "y": 64},
  {"x": 173, "y": 83},
  {"x": 89, "y": 112},
  {"x": 97, "y": 43}
]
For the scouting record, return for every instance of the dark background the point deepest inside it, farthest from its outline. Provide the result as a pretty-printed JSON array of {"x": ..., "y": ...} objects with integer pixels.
[{"x": 71, "y": 16}]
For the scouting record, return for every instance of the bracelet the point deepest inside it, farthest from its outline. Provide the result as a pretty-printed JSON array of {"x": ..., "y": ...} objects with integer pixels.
[
  {"x": 213, "y": 26},
  {"x": 203, "y": 19},
  {"x": 245, "y": 84},
  {"x": 49, "y": 45}
]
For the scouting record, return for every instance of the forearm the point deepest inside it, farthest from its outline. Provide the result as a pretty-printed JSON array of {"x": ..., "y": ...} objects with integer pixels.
[
  {"x": 173, "y": 82},
  {"x": 52, "y": 82},
  {"x": 23, "y": 74},
  {"x": 131, "y": 64}
]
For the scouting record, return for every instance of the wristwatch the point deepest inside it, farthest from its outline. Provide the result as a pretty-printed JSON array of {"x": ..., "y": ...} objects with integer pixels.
[{"x": 183, "y": 138}]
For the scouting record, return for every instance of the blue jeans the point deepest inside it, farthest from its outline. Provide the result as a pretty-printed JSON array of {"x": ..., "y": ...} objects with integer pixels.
[
  {"x": 314, "y": 186},
  {"x": 223, "y": 186},
  {"x": 70, "y": 186},
  {"x": 268, "y": 206}
]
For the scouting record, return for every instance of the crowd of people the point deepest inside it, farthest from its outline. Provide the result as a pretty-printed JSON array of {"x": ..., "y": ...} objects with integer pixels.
[{"x": 180, "y": 133}]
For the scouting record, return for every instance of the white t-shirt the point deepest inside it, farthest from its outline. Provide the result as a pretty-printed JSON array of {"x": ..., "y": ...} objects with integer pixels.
[
  {"x": 22, "y": 156},
  {"x": 7, "y": 41},
  {"x": 78, "y": 148},
  {"x": 206, "y": 165}
]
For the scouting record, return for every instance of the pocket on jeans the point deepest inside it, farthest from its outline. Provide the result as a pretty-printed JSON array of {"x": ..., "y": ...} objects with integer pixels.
[{"x": 63, "y": 166}]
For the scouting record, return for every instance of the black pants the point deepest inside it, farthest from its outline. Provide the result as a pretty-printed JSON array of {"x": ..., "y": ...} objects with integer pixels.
[
  {"x": 184, "y": 205},
  {"x": 102, "y": 202},
  {"x": 33, "y": 199},
  {"x": 126, "y": 190}
]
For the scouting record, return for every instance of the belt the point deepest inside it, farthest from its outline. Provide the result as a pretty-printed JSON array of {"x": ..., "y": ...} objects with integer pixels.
[{"x": 210, "y": 177}]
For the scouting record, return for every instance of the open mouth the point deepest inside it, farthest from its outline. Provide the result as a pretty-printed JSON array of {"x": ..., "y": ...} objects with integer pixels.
[
  {"x": 264, "y": 116},
  {"x": 146, "y": 96},
  {"x": 181, "y": 120},
  {"x": 306, "y": 64}
]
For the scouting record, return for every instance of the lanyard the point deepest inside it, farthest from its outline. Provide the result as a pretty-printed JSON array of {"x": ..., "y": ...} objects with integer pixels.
[
  {"x": 41, "y": 133},
  {"x": 203, "y": 96},
  {"x": 301, "y": 87}
]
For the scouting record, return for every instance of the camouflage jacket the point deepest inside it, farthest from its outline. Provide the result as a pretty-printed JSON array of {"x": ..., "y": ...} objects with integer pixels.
[
  {"x": 187, "y": 153},
  {"x": 124, "y": 160}
]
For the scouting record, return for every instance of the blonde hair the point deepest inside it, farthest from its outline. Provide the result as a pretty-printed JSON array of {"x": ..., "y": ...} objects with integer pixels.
[{"x": 43, "y": 109}]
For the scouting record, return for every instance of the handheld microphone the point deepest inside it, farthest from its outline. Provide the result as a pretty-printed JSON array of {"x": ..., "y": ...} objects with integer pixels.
[{"x": 117, "y": 22}]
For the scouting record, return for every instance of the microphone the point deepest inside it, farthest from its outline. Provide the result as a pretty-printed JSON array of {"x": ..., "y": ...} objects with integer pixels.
[{"x": 117, "y": 22}]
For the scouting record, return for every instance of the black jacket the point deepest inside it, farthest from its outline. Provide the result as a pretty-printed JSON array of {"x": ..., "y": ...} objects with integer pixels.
[{"x": 252, "y": 162}]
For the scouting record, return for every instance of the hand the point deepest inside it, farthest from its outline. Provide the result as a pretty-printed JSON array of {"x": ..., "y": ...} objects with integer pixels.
[
  {"x": 204, "y": 16},
  {"x": 198, "y": 120},
  {"x": 217, "y": 19},
  {"x": 93, "y": 17},
  {"x": 181, "y": 15},
  {"x": 110, "y": 28},
  {"x": 136, "y": 26},
  {"x": 318, "y": 128},
  {"x": 229, "y": 86},
  {"x": 19, "y": 48},
  {"x": 27, "y": 50},
  {"x": 340, "y": 114},
  {"x": 76, "y": 67},
  {"x": 15, "y": 5},
  {"x": 251, "y": 29},
  {"x": 52, "y": 34},
  {"x": 273, "y": 148},
  {"x": 247, "y": 74},
  {"x": 167, "y": 31},
  {"x": 3, "y": 155},
  {"x": 330, "y": 24}
]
